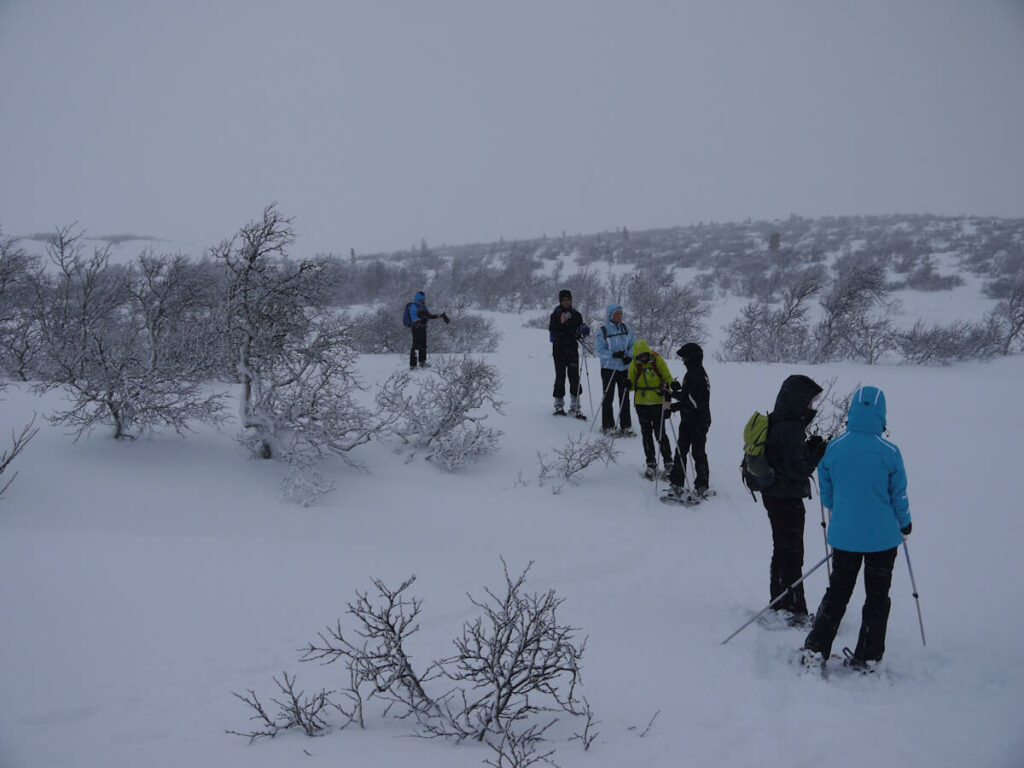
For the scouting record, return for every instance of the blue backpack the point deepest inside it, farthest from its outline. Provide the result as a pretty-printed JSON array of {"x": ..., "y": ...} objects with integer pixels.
[{"x": 410, "y": 314}]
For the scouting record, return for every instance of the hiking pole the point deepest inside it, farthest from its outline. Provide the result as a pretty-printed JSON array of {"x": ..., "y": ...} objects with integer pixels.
[
  {"x": 604, "y": 395},
  {"x": 788, "y": 589},
  {"x": 586, "y": 369},
  {"x": 824, "y": 526},
  {"x": 661, "y": 435},
  {"x": 913, "y": 586}
]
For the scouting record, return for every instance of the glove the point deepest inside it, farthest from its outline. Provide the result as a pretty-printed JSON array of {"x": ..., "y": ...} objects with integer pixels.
[
  {"x": 816, "y": 446},
  {"x": 445, "y": 318},
  {"x": 907, "y": 529},
  {"x": 676, "y": 386},
  {"x": 627, "y": 359},
  {"x": 584, "y": 330},
  {"x": 620, "y": 354}
]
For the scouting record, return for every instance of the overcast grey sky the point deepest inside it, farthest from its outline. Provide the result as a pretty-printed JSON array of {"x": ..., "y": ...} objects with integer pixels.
[{"x": 381, "y": 122}]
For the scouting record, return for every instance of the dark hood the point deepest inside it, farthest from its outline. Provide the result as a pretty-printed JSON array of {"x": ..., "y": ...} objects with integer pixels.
[{"x": 793, "y": 401}]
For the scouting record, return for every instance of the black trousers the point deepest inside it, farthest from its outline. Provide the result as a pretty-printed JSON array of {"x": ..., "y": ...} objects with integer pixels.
[
  {"x": 874, "y": 615},
  {"x": 693, "y": 439},
  {"x": 567, "y": 363},
  {"x": 612, "y": 380},
  {"x": 652, "y": 427},
  {"x": 419, "y": 344},
  {"x": 787, "y": 519}
]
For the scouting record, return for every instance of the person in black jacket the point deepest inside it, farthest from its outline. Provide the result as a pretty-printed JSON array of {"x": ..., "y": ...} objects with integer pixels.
[
  {"x": 565, "y": 329},
  {"x": 794, "y": 457},
  {"x": 693, "y": 402}
]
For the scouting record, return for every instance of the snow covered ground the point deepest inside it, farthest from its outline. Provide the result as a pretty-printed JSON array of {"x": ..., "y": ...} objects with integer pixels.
[{"x": 141, "y": 583}]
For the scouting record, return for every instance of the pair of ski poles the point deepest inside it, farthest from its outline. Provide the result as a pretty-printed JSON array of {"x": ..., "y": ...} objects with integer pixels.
[{"x": 798, "y": 582}]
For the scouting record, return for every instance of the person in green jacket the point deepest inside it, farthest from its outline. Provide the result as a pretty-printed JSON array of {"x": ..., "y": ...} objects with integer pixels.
[{"x": 650, "y": 380}]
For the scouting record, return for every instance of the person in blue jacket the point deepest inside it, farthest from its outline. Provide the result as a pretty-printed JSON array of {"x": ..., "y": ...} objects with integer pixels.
[
  {"x": 864, "y": 483},
  {"x": 615, "y": 350},
  {"x": 420, "y": 315}
]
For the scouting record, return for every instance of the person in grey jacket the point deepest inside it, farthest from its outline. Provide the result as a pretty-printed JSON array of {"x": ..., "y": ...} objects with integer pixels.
[{"x": 864, "y": 483}]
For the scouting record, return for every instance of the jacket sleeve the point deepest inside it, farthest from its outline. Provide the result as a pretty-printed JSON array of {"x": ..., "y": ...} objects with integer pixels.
[
  {"x": 666, "y": 374},
  {"x": 630, "y": 340},
  {"x": 898, "y": 491}
]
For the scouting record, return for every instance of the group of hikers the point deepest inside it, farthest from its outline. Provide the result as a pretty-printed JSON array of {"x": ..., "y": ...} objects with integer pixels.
[{"x": 861, "y": 475}]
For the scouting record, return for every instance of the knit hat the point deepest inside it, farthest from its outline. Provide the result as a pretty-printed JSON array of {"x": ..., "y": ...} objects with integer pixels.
[{"x": 565, "y": 293}]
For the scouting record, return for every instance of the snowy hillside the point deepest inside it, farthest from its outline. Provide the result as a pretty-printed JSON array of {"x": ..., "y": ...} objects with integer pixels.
[{"x": 142, "y": 583}]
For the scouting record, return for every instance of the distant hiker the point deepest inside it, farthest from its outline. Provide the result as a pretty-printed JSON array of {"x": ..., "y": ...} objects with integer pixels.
[
  {"x": 650, "y": 380},
  {"x": 864, "y": 483},
  {"x": 565, "y": 329},
  {"x": 416, "y": 317},
  {"x": 615, "y": 350},
  {"x": 793, "y": 457},
  {"x": 693, "y": 398}
]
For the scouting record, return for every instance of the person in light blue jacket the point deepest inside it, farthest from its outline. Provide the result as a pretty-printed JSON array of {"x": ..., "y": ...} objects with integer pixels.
[
  {"x": 615, "y": 350},
  {"x": 863, "y": 481}
]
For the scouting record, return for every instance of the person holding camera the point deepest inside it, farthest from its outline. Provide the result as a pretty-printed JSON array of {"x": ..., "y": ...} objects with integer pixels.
[
  {"x": 693, "y": 402},
  {"x": 420, "y": 315},
  {"x": 650, "y": 380},
  {"x": 864, "y": 483},
  {"x": 793, "y": 456},
  {"x": 614, "y": 343},
  {"x": 565, "y": 329}
]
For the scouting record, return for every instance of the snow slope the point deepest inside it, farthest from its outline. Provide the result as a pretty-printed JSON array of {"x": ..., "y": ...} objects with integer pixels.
[{"x": 141, "y": 583}]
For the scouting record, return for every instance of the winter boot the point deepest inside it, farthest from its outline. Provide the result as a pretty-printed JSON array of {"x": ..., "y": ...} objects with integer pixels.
[
  {"x": 651, "y": 471},
  {"x": 626, "y": 432},
  {"x": 559, "y": 407}
]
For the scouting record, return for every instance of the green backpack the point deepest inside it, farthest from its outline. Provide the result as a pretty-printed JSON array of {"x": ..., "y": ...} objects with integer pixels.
[{"x": 756, "y": 471}]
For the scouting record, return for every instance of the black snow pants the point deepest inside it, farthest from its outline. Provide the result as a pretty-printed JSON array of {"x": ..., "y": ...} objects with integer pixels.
[
  {"x": 693, "y": 439},
  {"x": 419, "y": 344},
  {"x": 875, "y": 614},
  {"x": 652, "y": 420},
  {"x": 787, "y": 519},
  {"x": 612, "y": 380},
  {"x": 567, "y": 362}
]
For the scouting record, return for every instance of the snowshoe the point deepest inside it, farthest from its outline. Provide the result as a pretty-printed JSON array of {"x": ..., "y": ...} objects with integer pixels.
[
  {"x": 857, "y": 665},
  {"x": 579, "y": 415},
  {"x": 559, "y": 411},
  {"x": 678, "y": 494},
  {"x": 812, "y": 661},
  {"x": 627, "y": 432},
  {"x": 650, "y": 472}
]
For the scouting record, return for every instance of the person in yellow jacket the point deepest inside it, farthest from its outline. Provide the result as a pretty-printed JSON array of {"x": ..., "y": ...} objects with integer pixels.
[{"x": 650, "y": 380}]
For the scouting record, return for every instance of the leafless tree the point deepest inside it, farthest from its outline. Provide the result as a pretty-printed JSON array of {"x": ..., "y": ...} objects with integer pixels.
[
  {"x": 576, "y": 455},
  {"x": 665, "y": 314},
  {"x": 96, "y": 349},
  {"x": 512, "y": 663},
  {"x": 18, "y": 442},
  {"x": 295, "y": 710},
  {"x": 440, "y": 409},
  {"x": 856, "y": 321},
  {"x": 295, "y": 360}
]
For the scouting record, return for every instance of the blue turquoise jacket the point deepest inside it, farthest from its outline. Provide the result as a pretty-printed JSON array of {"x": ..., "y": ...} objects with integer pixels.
[
  {"x": 614, "y": 337},
  {"x": 863, "y": 480}
]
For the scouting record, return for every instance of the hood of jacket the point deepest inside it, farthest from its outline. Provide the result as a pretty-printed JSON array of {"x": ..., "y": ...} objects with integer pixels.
[
  {"x": 794, "y": 399},
  {"x": 867, "y": 411},
  {"x": 692, "y": 355},
  {"x": 640, "y": 346},
  {"x": 610, "y": 310},
  {"x": 420, "y": 298}
]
